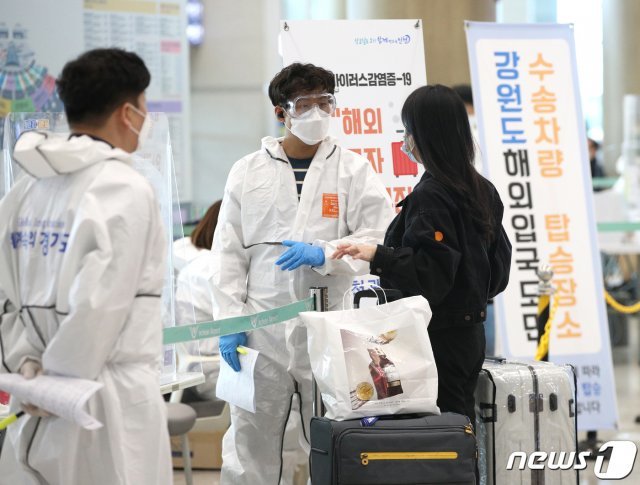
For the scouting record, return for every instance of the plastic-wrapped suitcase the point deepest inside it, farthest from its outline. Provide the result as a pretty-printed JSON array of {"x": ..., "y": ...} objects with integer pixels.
[
  {"x": 525, "y": 407},
  {"x": 393, "y": 450}
]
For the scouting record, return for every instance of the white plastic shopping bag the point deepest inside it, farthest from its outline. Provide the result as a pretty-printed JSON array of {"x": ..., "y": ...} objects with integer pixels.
[{"x": 374, "y": 361}]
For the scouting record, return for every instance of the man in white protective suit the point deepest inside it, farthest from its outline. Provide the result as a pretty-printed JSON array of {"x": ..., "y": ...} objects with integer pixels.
[
  {"x": 309, "y": 193},
  {"x": 82, "y": 258}
]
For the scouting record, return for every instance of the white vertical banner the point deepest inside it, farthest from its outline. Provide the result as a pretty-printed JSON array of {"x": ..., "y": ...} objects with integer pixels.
[
  {"x": 533, "y": 140},
  {"x": 377, "y": 64}
]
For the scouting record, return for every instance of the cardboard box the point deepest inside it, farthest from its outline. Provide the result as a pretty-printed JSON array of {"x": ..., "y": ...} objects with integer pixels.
[{"x": 206, "y": 450}]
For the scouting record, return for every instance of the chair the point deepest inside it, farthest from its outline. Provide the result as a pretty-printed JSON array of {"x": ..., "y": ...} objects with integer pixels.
[
  {"x": 181, "y": 419},
  {"x": 211, "y": 416}
]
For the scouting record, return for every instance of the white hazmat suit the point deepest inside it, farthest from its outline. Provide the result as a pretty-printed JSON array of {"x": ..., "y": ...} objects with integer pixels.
[
  {"x": 193, "y": 305},
  {"x": 342, "y": 200},
  {"x": 82, "y": 260}
]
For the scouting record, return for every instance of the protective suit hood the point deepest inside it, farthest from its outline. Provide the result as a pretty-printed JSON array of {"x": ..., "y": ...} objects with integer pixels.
[{"x": 44, "y": 154}]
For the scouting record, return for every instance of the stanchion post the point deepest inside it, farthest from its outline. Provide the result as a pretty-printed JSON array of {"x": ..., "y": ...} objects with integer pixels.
[
  {"x": 320, "y": 296},
  {"x": 545, "y": 290}
]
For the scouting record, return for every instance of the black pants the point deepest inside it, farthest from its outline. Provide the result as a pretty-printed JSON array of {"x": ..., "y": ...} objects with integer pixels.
[{"x": 459, "y": 355}]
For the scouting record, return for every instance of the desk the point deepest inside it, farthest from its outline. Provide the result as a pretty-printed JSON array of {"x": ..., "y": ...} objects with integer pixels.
[
  {"x": 168, "y": 383},
  {"x": 180, "y": 380}
]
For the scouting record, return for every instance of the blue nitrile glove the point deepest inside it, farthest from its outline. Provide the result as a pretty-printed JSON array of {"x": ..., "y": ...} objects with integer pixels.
[
  {"x": 228, "y": 346},
  {"x": 300, "y": 253}
]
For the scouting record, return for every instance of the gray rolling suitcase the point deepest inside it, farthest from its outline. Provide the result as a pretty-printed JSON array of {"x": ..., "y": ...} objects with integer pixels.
[
  {"x": 525, "y": 407},
  {"x": 395, "y": 450}
]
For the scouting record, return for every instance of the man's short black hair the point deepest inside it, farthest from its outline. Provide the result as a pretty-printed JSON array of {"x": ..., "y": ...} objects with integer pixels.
[
  {"x": 97, "y": 82},
  {"x": 299, "y": 78},
  {"x": 464, "y": 91}
]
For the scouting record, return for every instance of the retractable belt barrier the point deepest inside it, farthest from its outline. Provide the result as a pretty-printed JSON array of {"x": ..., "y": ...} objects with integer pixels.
[
  {"x": 543, "y": 346},
  {"x": 228, "y": 326},
  {"x": 619, "y": 307}
]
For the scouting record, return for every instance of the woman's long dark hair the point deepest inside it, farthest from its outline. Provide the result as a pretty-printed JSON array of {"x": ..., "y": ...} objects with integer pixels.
[
  {"x": 436, "y": 118},
  {"x": 202, "y": 235}
]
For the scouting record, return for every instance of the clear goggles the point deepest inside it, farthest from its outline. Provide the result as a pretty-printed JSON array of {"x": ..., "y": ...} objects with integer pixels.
[{"x": 325, "y": 102}]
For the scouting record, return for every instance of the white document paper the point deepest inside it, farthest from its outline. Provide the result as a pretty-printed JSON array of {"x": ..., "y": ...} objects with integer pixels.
[
  {"x": 64, "y": 397},
  {"x": 238, "y": 388}
]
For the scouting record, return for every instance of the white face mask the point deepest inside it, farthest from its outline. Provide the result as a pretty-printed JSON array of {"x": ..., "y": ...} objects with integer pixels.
[
  {"x": 407, "y": 150},
  {"x": 312, "y": 127},
  {"x": 145, "y": 129}
]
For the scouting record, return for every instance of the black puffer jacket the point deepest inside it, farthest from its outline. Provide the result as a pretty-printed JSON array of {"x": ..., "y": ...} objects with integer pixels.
[{"x": 433, "y": 248}]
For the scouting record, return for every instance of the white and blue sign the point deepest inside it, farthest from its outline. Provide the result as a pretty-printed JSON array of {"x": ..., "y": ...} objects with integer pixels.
[{"x": 534, "y": 147}]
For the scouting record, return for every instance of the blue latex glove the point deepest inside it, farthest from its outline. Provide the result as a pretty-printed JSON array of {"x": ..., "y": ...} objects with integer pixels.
[
  {"x": 228, "y": 346},
  {"x": 300, "y": 253}
]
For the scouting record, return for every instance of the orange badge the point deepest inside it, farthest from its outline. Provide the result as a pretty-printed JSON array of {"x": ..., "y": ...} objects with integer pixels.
[
  {"x": 439, "y": 236},
  {"x": 330, "y": 206}
]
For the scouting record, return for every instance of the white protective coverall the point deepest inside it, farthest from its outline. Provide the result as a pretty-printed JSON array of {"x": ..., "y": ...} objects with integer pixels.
[
  {"x": 82, "y": 260},
  {"x": 193, "y": 305},
  {"x": 342, "y": 200}
]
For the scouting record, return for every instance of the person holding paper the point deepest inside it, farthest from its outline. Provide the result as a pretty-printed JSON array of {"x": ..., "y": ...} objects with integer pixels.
[
  {"x": 447, "y": 244},
  {"x": 82, "y": 261},
  {"x": 309, "y": 193}
]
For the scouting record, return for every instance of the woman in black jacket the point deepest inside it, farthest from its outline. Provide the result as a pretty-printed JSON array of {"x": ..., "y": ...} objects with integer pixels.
[{"x": 447, "y": 243}]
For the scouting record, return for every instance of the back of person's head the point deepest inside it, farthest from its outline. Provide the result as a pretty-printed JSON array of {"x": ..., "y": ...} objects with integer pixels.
[
  {"x": 465, "y": 92},
  {"x": 436, "y": 118},
  {"x": 99, "y": 81},
  {"x": 202, "y": 235},
  {"x": 297, "y": 79}
]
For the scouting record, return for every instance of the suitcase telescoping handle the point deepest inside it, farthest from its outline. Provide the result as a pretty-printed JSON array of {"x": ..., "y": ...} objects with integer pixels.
[
  {"x": 321, "y": 300},
  {"x": 382, "y": 295},
  {"x": 493, "y": 358}
]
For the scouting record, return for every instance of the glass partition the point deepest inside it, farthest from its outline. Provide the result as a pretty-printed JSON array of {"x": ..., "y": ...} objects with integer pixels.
[{"x": 155, "y": 161}]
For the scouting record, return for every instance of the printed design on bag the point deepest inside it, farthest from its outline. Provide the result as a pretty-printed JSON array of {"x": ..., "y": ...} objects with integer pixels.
[
  {"x": 371, "y": 367},
  {"x": 194, "y": 332},
  {"x": 330, "y": 206},
  {"x": 364, "y": 391}
]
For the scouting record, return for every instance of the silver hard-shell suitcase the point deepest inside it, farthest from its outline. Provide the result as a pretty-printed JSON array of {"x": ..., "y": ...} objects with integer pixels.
[{"x": 525, "y": 407}]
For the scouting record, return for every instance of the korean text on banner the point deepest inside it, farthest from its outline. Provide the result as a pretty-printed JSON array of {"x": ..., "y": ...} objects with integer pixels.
[
  {"x": 377, "y": 64},
  {"x": 534, "y": 145}
]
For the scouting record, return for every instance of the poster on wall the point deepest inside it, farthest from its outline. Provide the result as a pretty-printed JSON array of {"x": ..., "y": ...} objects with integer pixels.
[
  {"x": 38, "y": 37},
  {"x": 534, "y": 146},
  {"x": 380, "y": 63}
]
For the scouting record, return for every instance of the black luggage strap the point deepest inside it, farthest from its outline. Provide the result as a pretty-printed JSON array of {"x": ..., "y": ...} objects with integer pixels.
[{"x": 488, "y": 418}]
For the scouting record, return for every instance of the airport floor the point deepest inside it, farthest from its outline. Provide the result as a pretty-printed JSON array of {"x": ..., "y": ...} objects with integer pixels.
[{"x": 627, "y": 374}]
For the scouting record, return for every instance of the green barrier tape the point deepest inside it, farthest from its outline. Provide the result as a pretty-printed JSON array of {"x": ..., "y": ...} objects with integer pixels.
[
  {"x": 604, "y": 182},
  {"x": 618, "y": 226},
  {"x": 228, "y": 326}
]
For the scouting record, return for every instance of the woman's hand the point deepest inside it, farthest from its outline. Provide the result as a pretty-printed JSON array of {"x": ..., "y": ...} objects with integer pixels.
[{"x": 364, "y": 252}]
